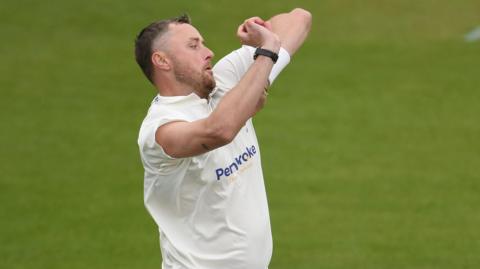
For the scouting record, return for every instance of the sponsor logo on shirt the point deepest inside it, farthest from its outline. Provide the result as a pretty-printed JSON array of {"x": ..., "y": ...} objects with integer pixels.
[{"x": 239, "y": 163}]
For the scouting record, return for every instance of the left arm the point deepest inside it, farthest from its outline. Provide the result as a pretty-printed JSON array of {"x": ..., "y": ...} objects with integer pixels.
[{"x": 292, "y": 28}]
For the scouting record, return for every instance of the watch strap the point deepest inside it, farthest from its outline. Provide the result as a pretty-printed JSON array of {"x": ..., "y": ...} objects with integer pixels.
[{"x": 264, "y": 52}]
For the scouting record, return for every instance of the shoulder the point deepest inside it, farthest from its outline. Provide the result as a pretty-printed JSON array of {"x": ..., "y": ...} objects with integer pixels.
[
  {"x": 230, "y": 69},
  {"x": 236, "y": 59},
  {"x": 168, "y": 109},
  {"x": 175, "y": 107}
]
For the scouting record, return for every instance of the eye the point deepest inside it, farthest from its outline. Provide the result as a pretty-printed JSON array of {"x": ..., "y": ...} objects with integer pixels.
[{"x": 193, "y": 46}]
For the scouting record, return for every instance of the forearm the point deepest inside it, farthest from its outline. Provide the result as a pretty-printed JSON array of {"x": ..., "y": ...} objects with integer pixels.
[
  {"x": 183, "y": 139},
  {"x": 241, "y": 103},
  {"x": 292, "y": 28}
]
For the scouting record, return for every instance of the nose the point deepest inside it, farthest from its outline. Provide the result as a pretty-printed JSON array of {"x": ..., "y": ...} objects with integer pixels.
[{"x": 209, "y": 54}]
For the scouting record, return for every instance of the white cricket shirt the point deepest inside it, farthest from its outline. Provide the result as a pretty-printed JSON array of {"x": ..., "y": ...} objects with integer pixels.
[{"x": 211, "y": 209}]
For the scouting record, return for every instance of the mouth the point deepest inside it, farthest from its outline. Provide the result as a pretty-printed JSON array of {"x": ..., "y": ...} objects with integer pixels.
[{"x": 209, "y": 69}]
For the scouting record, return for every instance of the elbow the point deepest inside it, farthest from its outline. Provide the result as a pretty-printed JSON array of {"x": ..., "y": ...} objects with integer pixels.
[
  {"x": 222, "y": 133},
  {"x": 261, "y": 102},
  {"x": 225, "y": 136},
  {"x": 303, "y": 16}
]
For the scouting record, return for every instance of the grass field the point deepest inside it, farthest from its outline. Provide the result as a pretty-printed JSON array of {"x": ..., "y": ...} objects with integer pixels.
[{"x": 370, "y": 139}]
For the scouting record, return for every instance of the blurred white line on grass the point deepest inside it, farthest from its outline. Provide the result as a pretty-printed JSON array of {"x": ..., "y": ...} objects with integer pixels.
[{"x": 473, "y": 35}]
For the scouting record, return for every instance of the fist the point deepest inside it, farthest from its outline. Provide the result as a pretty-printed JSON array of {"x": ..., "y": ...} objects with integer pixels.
[{"x": 256, "y": 32}]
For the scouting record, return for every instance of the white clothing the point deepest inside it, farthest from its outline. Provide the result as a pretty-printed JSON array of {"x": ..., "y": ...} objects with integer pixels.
[{"x": 211, "y": 209}]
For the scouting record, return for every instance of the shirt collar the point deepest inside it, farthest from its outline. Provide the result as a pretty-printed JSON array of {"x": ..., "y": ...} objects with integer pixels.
[{"x": 192, "y": 97}]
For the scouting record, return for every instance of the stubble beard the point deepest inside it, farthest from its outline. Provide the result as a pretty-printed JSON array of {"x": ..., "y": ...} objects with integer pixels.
[{"x": 202, "y": 83}]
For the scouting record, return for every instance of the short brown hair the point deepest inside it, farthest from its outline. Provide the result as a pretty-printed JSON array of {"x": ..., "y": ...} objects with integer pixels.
[{"x": 144, "y": 41}]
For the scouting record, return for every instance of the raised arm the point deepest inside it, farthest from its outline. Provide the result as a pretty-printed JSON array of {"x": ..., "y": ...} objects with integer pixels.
[{"x": 184, "y": 139}]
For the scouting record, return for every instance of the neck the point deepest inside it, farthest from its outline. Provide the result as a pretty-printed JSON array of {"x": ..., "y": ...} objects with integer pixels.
[
  {"x": 169, "y": 86},
  {"x": 179, "y": 89}
]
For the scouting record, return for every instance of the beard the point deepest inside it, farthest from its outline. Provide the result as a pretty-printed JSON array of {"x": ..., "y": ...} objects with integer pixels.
[{"x": 202, "y": 82}]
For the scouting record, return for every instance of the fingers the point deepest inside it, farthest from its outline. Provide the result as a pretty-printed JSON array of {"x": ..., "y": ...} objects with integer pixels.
[
  {"x": 256, "y": 20},
  {"x": 248, "y": 26},
  {"x": 245, "y": 30},
  {"x": 241, "y": 31},
  {"x": 254, "y": 31},
  {"x": 268, "y": 25},
  {"x": 252, "y": 26}
]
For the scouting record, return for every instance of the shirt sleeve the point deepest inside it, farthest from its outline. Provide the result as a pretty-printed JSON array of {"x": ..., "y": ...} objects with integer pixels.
[
  {"x": 231, "y": 68},
  {"x": 154, "y": 158}
]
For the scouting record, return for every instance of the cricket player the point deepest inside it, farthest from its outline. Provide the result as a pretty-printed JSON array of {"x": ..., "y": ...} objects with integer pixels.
[{"x": 203, "y": 181}]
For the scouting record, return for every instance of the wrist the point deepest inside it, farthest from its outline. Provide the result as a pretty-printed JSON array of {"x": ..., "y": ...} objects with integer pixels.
[
  {"x": 272, "y": 44},
  {"x": 266, "y": 53}
]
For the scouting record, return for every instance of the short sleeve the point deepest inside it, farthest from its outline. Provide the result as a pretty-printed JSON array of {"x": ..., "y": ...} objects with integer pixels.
[
  {"x": 231, "y": 68},
  {"x": 154, "y": 159},
  {"x": 152, "y": 154}
]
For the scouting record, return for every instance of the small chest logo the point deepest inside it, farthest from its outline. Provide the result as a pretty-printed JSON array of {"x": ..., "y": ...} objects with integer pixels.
[{"x": 237, "y": 164}]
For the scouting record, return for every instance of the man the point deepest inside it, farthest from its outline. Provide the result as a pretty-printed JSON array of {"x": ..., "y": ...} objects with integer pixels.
[{"x": 203, "y": 177}]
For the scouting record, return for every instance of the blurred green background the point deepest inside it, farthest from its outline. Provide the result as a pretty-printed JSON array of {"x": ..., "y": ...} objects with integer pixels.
[{"x": 370, "y": 138}]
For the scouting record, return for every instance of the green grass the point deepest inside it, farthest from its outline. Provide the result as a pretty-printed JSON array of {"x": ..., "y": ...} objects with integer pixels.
[{"x": 370, "y": 138}]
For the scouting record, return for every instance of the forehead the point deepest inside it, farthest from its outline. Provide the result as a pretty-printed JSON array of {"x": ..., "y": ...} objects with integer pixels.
[{"x": 183, "y": 32}]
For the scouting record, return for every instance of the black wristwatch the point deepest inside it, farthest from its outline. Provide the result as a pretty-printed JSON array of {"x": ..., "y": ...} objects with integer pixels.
[{"x": 268, "y": 53}]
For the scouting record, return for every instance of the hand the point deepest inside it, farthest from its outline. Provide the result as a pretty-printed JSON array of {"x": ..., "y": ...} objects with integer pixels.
[
  {"x": 256, "y": 20},
  {"x": 256, "y": 32}
]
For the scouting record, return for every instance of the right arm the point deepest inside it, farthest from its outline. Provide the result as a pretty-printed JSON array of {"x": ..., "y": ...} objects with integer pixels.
[{"x": 184, "y": 139}]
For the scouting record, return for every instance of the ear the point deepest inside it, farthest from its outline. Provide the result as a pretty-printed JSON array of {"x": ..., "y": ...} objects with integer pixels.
[{"x": 160, "y": 60}]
